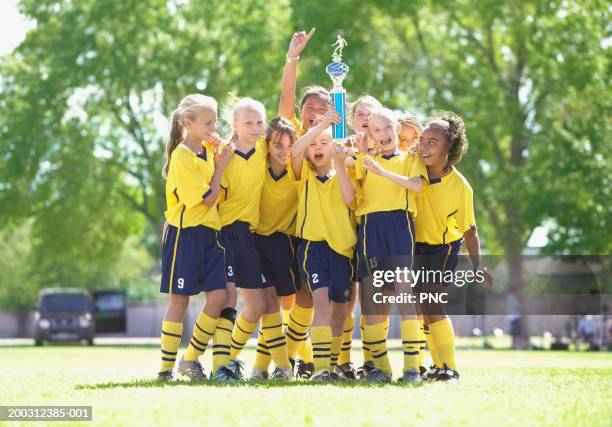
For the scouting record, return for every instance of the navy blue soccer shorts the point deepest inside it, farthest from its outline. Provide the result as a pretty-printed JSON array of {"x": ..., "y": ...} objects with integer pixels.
[
  {"x": 436, "y": 260},
  {"x": 241, "y": 256},
  {"x": 278, "y": 261},
  {"x": 192, "y": 261},
  {"x": 385, "y": 241},
  {"x": 320, "y": 266}
]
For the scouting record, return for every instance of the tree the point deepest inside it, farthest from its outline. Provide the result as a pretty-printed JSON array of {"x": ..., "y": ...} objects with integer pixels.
[
  {"x": 514, "y": 71},
  {"x": 85, "y": 96},
  {"x": 83, "y": 107}
]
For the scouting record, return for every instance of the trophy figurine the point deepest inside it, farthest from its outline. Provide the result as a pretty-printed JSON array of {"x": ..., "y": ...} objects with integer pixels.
[{"x": 337, "y": 71}]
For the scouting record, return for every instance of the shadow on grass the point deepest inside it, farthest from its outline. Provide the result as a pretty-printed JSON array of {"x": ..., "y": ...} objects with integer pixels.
[{"x": 245, "y": 383}]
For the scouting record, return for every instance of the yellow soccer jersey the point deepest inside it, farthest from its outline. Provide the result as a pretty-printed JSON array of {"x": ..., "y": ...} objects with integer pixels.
[
  {"x": 379, "y": 194},
  {"x": 278, "y": 205},
  {"x": 188, "y": 182},
  {"x": 241, "y": 186},
  {"x": 299, "y": 128},
  {"x": 446, "y": 211},
  {"x": 322, "y": 214}
]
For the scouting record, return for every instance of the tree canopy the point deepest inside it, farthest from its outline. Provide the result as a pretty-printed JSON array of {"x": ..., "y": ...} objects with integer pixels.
[{"x": 85, "y": 97}]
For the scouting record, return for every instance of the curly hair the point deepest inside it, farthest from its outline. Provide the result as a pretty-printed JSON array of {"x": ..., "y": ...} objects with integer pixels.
[{"x": 454, "y": 129}]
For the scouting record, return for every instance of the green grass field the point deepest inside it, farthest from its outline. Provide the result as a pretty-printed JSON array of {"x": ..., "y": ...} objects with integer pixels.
[{"x": 497, "y": 388}]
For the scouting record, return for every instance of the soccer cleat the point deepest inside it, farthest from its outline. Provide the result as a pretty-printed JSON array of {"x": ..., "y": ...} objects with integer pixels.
[
  {"x": 364, "y": 370},
  {"x": 282, "y": 373},
  {"x": 236, "y": 366},
  {"x": 258, "y": 375},
  {"x": 447, "y": 375},
  {"x": 193, "y": 370},
  {"x": 166, "y": 376},
  {"x": 377, "y": 376},
  {"x": 304, "y": 370},
  {"x": 322, "y": 376},
  {"x": 422, "y": 371},
  {"x": 225, "y": 374},
  {"x": 410, "y": 377},
  {"x": 346, "y": 372},
  {"x": 432, "y": 374}
]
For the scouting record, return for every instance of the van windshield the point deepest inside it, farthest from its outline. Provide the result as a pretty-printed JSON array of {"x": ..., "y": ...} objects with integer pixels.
[{"x": 65, "y": 303}]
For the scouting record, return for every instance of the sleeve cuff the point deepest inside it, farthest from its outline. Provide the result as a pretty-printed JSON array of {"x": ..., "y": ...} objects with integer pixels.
[{"x": 207, "y": 193}]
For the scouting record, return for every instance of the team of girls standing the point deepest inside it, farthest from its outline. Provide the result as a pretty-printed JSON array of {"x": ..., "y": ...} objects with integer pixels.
[{"x": 262, "y": 213}]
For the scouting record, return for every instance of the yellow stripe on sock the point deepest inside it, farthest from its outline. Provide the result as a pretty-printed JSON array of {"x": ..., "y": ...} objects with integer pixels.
[
  {"x": 203, "y": 331},
  {"x": 347, "y": 339},
  {"x": 410, "y": 343},
  {"x": 243, "y": 329},
  {"x": 321, "y": 347},
  {"x": 443, "y": 336},
  {"x": 271, "y": 325},
  {"x": 375, "y": 337},
  {"x": 171, "y": 333}
]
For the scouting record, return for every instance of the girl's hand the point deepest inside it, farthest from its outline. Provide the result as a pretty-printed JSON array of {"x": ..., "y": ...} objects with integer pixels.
[
  {"x": 340, "y": 153},
  {"x": 330, "y": 117},
  {"x": 224, "y": 156},
  {"x": 372, "y": 165},
  {"x": 298, "y": 42},
  {"x": 213, "y": 139},
  {"x": 361, "y": 142}
]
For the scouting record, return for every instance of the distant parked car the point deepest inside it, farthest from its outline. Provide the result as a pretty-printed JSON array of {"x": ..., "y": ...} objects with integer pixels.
[
  {"x": 110, "y": 311},
  {"x": 64, "y": 315}
]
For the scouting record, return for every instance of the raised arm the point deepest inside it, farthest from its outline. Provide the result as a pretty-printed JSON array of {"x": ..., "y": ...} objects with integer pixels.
[
  {"x": 340, "y": 155},
  {"x": 286, "y": 105},
  {"x": 299, "y": 148}
]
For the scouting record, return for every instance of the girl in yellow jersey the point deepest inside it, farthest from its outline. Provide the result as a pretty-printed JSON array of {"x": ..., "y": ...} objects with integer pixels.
[
  {"x": 315, "y": 99},
  {"x": 386, "y": 238},
  {"x": 445, "y": 221},
  {"x": 360, "y": 113},
  {"x": 361, "y": 110},
  {"x": 409, "y": 133},
  {"x": 325, "y": 224},
  {"x": 275, "y": 235},
  {"x": 241, "y": 186},
  {"x": 313, "y": 104},
  {"x": 192, "y": 260}
]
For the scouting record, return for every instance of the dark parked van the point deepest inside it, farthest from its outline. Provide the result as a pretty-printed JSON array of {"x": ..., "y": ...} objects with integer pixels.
[{"x": 66, "y": 314}]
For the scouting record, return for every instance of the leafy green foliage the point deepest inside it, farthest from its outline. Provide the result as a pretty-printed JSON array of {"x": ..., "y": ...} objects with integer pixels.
[{"x": 84, "y": 99}]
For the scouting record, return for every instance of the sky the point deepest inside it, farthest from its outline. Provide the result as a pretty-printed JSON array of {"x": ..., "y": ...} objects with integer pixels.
[{"x": 13, "y": 26}]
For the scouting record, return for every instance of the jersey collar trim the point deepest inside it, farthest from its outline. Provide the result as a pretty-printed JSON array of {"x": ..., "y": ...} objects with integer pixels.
[
  {"x": 246, "y": 155},
  {"x": 324, "y": 178},
  {"x": 277, "y": 177},
  {"x": 390, "y": 156}
]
